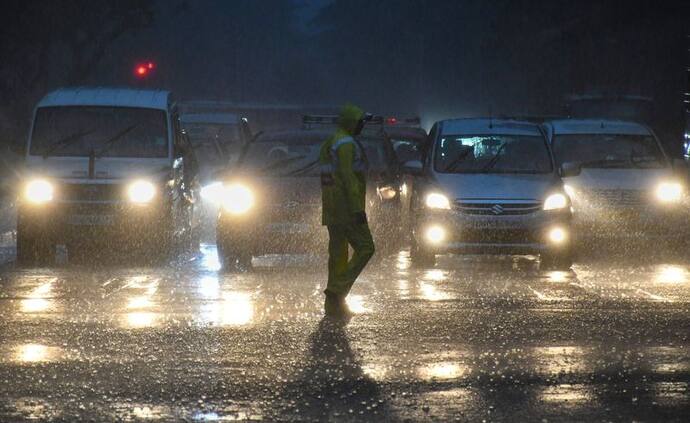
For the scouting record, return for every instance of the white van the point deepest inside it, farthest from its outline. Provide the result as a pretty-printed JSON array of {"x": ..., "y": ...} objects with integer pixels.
[
  {"x": 106, "y": 163},
  {"x": 626, "y": 185}
]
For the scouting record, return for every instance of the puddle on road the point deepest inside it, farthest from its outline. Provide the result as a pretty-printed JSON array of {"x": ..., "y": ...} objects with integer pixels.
[
  {"x": 235, "y": 309},
  {"x": 443, "y": 370},
  {"x": 670, "y": 274},
  {"x": 567, "y": 395},
  {"x": 33, "y": 352},
  {"x": 560, "y": 359}
]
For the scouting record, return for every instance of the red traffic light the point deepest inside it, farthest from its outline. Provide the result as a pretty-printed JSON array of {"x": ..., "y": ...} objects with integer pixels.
[{"x": 142, "y": 70}]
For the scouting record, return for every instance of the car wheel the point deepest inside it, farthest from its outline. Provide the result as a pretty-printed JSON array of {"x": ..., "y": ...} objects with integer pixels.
[
  {"x": 33, "y": 247},
  {"x": 231, "y": 258},
  {"x": 421, "y": 257},
  {"x": 556, "y": 261}
]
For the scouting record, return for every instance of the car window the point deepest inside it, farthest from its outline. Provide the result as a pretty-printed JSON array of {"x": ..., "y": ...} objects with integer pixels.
[
  {"x": 492, "y": 154},
  {"x": 609, "y": 150}
]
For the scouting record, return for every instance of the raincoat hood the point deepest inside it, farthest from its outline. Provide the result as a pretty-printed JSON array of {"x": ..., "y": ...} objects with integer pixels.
[{"x": 349, "y": 117}]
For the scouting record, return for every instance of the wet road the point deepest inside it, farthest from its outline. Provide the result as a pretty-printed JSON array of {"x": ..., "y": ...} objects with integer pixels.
[{"x": 472, "y": 339}]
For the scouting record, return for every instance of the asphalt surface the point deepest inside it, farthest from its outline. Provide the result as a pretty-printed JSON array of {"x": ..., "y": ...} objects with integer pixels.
[{"x": 473, "y": 339}]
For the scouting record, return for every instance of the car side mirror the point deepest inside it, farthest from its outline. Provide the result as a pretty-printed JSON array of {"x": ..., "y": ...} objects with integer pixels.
[
  {"x": 569, "y": 169},
  {"x": 413, "y": 167}
]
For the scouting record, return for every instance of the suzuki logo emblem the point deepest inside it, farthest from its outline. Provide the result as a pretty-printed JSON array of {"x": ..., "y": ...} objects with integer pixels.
[{"x": 497, "y": 209}]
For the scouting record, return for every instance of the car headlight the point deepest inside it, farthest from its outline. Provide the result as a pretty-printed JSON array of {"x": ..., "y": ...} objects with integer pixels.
[
  {"x": 387, "y": 192},
  {"x": 556, "y": 201},
  {"x": 669, "y": 192},
  {"x": 39, "y": 191},
  {"x": 212, "y": 192},
  {"x": 437, "y": 201},
  {"x": 141, "y": 192},
  {"x": 237, "y": 199}
]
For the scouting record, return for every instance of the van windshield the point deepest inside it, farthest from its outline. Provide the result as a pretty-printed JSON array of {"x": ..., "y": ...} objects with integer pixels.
[
  {"x": 609, "y": 150},
  {"x": 79, "y": 131},
  {"x": 492, "y": 154}
]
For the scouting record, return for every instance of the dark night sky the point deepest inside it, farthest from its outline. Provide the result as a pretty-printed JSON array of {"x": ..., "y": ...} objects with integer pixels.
[{"x": 435, "y": 58}]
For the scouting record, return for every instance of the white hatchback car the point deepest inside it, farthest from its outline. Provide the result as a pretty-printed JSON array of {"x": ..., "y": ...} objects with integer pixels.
[
  {"x": 489, "y": 186},
  {"x": 626, "y": 186}
]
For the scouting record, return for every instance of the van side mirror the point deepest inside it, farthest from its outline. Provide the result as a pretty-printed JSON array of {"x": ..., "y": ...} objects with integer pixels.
[
  {"x": 569, "y": 169},
  {"x": 413, "y": 167}
]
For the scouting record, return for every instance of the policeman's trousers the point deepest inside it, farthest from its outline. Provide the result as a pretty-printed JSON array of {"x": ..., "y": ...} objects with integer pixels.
[{"x": 342, "y": 272}]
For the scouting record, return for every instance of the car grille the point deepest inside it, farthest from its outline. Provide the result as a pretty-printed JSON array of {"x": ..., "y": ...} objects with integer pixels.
[
  {"x": 618, "y": 197},
  {"x": 498, "y": 236},
  {"x": 498, "y": 208},
  {"x": 89, "y": 192}
]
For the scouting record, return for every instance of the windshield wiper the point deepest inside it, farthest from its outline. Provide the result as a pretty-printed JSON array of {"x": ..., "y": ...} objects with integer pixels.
[
  {"x": 64, "y": 142},
  {"x": 107, "y": 145},
  {"x": 282, "y": 163},
  {"x": 303, "y": 169},
  {"x": 492, "y": 162},
  {"x": 460, "y": 158},
  {"x": 638, "y": 160},
  {"x": 603, "y": 163}
]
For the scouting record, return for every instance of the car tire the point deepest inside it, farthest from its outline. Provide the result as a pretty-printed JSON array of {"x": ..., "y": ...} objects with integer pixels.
[
  {"x": 556, "y": 261},
  {"x": 34, "y": 248},
  {"x": 421, "y": 257},
  {"x": 231, "y": 258}
]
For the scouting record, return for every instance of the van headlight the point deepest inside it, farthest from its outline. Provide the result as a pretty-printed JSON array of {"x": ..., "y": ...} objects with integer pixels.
[
  {"x": 141, "y": 192},
  {"x": 669, "y": 192},
  {"x": 39, "y": 191},
  {"x": 437, "y": 201},
  {"x": 556, "y": 201},
  {"x": 237, "y": 198}
]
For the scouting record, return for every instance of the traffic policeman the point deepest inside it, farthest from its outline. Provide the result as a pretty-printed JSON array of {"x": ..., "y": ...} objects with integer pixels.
[{"x": 343, "y": 191}]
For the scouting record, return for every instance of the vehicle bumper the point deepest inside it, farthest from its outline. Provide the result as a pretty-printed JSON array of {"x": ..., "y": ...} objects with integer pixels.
[
  {"x": 254, "y": 235},
  {"x": 82, "y": 221},
  {"x": 632, "y": 223},
  {"x": 481, "y": 234}
]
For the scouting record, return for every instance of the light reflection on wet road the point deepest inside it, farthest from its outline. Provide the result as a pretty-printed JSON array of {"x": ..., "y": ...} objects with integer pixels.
[{"x": 474, "y": 338}]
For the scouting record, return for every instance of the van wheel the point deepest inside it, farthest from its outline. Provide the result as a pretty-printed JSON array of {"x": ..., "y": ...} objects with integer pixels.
[
  {"x": 556, "y": 261},
  {"x": 421, "y": 257},
  {"x": 34, "y": 249}
]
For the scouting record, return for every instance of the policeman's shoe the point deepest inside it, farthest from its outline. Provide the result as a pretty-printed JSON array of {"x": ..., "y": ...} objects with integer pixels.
[{"x": 336, "y": 307}]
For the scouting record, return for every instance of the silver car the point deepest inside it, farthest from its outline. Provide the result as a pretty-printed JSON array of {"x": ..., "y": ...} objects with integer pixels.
[{"x": 489, "y": 186}]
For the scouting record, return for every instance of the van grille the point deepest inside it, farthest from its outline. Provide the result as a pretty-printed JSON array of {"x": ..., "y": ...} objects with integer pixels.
[
  {"x": 90, "y": 192},
  {"x": 498, "y": 208}
]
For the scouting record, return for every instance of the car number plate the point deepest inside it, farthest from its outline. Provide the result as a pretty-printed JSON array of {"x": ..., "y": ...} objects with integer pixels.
[
  {"x": 91, "y": 219},
  {"x": 629, "y": 216},
  {"x": 290, "y": 228}
]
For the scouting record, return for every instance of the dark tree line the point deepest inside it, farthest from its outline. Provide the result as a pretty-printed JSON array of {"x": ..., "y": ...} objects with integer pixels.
[{"x": 45, "y": 43}]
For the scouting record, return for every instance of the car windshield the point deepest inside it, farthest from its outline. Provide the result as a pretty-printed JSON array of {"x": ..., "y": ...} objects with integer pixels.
[
  {"x": 375, "y": 150},
  {"x": 78, "y": 131},
  {"x": 286, "y": 154},
  {"x": 214, "y": 143},
  {"x": 492, "y": 154},
  {"x": 408, "y": 148},
  {"x": 609, "y": 150},
  {"x": 297, "y": 154}
]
